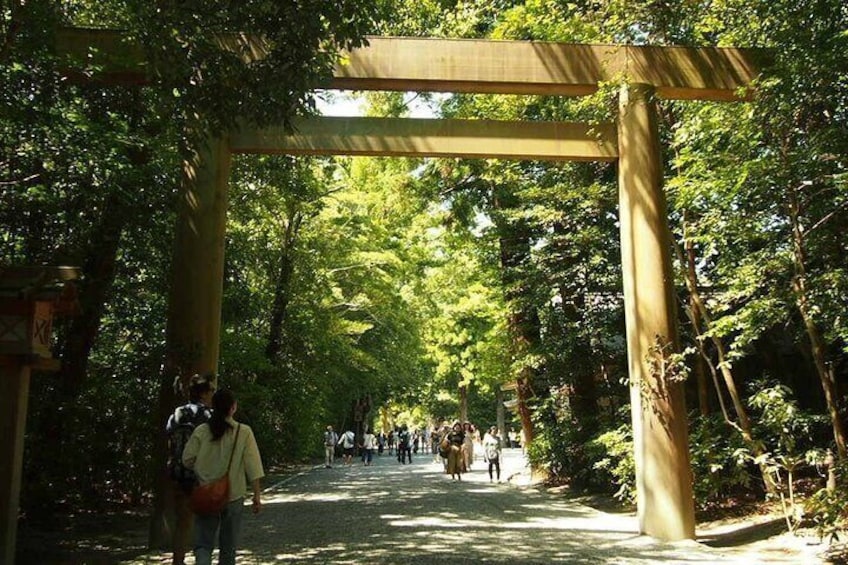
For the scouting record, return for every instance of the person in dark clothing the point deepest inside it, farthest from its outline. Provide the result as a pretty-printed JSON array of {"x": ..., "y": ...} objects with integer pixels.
[
  {"x": 404, "y": 448},
  {"x": 454, "y": 441},
  {"x": 180, "y": 426}
]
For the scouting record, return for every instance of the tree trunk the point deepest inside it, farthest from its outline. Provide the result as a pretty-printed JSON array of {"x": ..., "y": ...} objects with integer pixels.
[
  {"x": 525, "y": 392},
  {"x": 463, "y": 403},
  {"x": 500, "y": 413},
  {"x": 700, "y": 370},
  {"x": 817, "y": 344},
  {"x": 98, "y": 278},
  {"x": 744, "y": 423},
  {"x": 514, "y": 240},
  {"x": 281, "y": 302},
  {"x": 282, "y": 288}
]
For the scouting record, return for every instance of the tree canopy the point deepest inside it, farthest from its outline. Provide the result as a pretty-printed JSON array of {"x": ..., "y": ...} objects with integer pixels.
[{"x": 415, "y": 289}]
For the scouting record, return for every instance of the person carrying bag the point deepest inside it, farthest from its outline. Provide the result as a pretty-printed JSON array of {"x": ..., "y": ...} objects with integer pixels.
[
  {"x": 212, "y": 497},
  {"x": 220, "y": 444}
]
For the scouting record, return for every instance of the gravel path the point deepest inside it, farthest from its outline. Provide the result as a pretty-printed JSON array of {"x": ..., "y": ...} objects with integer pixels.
[{"x": 414, "y": 514}]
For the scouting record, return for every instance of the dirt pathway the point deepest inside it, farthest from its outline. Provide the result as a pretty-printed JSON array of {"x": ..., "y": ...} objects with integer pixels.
[{"x": 409, "y": 514}]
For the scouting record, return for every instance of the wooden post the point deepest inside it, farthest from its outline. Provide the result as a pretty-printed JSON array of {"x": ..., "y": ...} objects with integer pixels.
[
  {"x": 29, "y": 298},
  {"x": 197, "y": 271},
  {"x": 194, "y": 317},
  {"x": 665, "y": 504},
  {"x": 14, "y": 390}
]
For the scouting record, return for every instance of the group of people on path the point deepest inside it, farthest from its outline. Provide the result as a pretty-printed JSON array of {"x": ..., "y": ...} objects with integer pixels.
[
  {"x": 454, "y": 444},
  {"x": 456, "y": 447},
  {"x": 347, "y": 443},
  {"x": 207, "y": 443},
  {"x": 400, "y": 440}
]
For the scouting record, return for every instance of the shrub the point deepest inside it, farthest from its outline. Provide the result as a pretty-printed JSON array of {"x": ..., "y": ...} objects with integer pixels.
[
  {"x": 614, "y": 466},
  {"x": 828, "y": 509},
  {"x": 721, "y": 463},
  {"x": 559, "y": 444}
]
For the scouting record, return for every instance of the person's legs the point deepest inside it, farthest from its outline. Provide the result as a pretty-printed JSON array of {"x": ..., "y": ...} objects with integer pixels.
[
  {"x": 231, "y": 531},
  {"x": 498, "y": 468},
  {"x": 491, "y": 465},
  {"x": 205, "y": 528}
]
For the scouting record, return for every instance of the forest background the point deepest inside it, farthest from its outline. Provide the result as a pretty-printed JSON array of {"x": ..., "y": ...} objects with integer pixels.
[{"x": 417, "y": 288}]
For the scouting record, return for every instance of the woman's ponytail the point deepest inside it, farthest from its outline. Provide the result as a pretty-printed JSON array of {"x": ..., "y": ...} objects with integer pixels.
[{"x": 222, "y": 402}]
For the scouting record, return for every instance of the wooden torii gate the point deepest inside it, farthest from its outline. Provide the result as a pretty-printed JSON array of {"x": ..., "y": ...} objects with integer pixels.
[{"x": 663, "y": 474}]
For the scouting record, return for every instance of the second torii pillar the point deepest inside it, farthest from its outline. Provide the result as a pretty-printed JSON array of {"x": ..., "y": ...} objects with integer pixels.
[
  {"x": 665, "y": 504},
  {"x": 194, "y": 314},
  {"x": 194, "y": 309}
]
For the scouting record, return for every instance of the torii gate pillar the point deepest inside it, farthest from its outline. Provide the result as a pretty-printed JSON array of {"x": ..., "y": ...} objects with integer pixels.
[
  {"x": 194, "y": 313},
  {"x": 665, "y": 503},
  {"x": 194, "y": 308}
]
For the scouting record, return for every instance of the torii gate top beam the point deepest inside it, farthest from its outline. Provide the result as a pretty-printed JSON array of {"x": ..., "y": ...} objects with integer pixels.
[
  {"x": 472, "y": 65},
  {"x": 532, "y": 67}
]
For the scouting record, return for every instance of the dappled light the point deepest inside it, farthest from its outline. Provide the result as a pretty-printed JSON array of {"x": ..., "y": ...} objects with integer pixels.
[{"x": 389, "y": 513}]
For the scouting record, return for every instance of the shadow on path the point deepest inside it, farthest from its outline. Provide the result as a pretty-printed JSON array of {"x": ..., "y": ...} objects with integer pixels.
[{"x": 390, "y": 513}]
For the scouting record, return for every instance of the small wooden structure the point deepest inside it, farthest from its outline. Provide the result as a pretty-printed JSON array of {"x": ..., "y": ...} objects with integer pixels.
[{"x": 29, "y": 299}]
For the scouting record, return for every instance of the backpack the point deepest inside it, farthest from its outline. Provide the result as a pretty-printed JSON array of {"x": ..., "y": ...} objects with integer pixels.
[
  {"x": 185, "y": 420},
  {"x": 348, "y": 439},
  {"x": 329, "y": 439}
]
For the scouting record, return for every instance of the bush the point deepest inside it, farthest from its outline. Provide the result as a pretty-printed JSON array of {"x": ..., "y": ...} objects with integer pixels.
[
  {"x": 828, "y": 509},
  {"x": 614, "y": 465},
  {"x": 559, "y": 444},
  {"x": 721, "y": 463}
]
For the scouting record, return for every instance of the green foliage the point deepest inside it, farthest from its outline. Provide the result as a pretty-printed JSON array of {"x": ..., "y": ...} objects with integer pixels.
[
  {"x": 612, "y": 453},
  {"x": 789, "y": 442},
  {"x": 551, "y": 449},
  {"x": 210, "y": 89},
  {"x": 721, "y": 462},
  {"x": 788, "y": 431},
  {"x": 828, "y": 509}
]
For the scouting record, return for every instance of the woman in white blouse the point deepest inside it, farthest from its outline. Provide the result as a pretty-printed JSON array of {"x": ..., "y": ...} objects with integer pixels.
[{"x": 209, "y": 451}]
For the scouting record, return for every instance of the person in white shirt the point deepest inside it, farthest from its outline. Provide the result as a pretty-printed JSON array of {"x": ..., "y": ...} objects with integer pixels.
[
  {"x": 330, "y": 440},
  {"x": 348, "y": 442},
  {"x": 224, "y": 446},
  {"x": 369, "y": 443},
  {"x": 492, "y": 452}
]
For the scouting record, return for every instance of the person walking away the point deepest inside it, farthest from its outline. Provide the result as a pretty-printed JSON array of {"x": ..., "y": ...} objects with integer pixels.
[
  {"x": 455, "y": 439},
  {"x": 468, "y": 446},
  {"x": 180, "y": 426},
  {"x": 381, "y": 443},
  {"x": 492, "y": 452},
  {"x": 348, "y": 442},
  {"x": 436, "y": 439},
  {"x": 404, "y": 449},
  {"x": 330, "y": 440},
  {"x": 369, "y": 441},
  {"x": 224, "y": 446}
]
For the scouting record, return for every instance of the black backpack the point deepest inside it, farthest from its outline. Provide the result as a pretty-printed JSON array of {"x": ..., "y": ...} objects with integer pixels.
[{"x": 184, "y": 422}]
